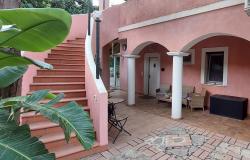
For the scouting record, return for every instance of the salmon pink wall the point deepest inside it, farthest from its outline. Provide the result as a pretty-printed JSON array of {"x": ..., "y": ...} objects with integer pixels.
[
  {"x": 110, "y": 25},
  {"x": 96, "y": 93},
  {"x": 140, "y": 10},
  {"x": 78, "y": 27},
  {"x": 31, "y": 72}
]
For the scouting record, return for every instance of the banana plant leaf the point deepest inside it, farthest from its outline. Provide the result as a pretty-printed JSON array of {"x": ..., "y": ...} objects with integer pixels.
[
  {"x": 71, "y": 117},
  {"x": 8, "y": 59},
  {"x": 11, "y": 74},
  {"x": 35, "y": 29},
  {"x": 16, "y": 142}
]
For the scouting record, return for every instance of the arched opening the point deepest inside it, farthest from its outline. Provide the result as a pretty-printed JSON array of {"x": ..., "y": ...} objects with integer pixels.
[
  {"x": 151, "y": 67},
  {"x": 221, "y": 65}
]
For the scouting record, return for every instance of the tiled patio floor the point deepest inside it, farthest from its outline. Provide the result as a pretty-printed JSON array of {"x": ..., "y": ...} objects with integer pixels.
[{"x": 198, "y": 135}]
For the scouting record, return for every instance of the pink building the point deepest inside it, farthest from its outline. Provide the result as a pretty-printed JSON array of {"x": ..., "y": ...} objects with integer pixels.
[{"x": 215, "y": 34}]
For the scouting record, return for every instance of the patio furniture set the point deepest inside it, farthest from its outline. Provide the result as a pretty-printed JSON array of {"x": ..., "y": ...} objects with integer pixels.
[{"x": 190, "y": 98}]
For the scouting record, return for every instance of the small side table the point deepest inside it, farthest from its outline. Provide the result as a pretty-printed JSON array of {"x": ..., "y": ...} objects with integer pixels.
[{"x": 116, "y": 100}]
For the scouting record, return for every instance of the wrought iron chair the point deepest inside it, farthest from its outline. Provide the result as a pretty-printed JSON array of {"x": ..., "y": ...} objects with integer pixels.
[{"x": 116, "y": 121}]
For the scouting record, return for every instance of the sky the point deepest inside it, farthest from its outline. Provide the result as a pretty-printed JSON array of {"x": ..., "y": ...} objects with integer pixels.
[{"x": 112, "y": 2}]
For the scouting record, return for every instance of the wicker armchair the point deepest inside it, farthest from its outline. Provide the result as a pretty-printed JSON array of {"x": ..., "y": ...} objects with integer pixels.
[
  {"x": 197, "y": 100},
  {"x": 163, "y": 93},
  {"x": 186, "y": 92}
]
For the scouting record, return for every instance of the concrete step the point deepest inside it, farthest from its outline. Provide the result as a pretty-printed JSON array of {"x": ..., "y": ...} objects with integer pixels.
[
  {"x": 69, "y": 66},
  {"x": 74, "y": 93},
  {"x": 52, "y": 78},
  {"x": 41, "y": 128},
  {"x": 67, "y": 56},
  {"x": 71, "y": 47},
  {"x": 60, "y": 72},
  {"x": 77, "y": 41},
  {"x": 57, "y": 86},
  {"x": 72, "y": 44},
  {"x": 83, "y": 101},
  {"x": 55, "y": 140},
  {"x": 71, "y": 151},
  {"x": 32, "y": 117},
  {"x": 63, "y": 51},
  {"x": 69, "y": 50},
  {"x": 64, "y": 61}
]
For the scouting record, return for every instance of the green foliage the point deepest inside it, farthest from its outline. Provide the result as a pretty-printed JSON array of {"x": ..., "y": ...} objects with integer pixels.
[
  {"x": 32, "y": 30},
  {"x": 35, "y": 29},
  {"x": 9, "y": 75},
  {"x": 17, "y": 143},
  {"x": 70, "y": 116},
  {"x": 72, "y": 6}
]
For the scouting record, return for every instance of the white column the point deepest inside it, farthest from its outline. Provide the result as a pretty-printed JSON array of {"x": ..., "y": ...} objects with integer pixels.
[
  {"x": 131, "y": 78},
  {"x": 177, "y": 83}
]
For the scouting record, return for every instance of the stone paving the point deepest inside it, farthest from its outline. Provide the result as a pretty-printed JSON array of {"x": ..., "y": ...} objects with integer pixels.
[{"x": 178, "y": 141}]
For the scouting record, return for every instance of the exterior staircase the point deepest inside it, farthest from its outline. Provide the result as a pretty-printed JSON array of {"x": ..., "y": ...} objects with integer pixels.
[{"x": 68, "y": 77}]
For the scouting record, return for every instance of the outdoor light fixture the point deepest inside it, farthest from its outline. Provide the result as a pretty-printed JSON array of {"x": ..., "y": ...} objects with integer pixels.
[
  {"x": 124, "y": 47},
  {"x": 97, "y": 15}
]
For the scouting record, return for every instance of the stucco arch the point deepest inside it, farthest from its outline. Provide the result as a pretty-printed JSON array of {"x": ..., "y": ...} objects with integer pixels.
[
  {"x": 140, "y": 47},
  {"x": 193, "y": 42}
]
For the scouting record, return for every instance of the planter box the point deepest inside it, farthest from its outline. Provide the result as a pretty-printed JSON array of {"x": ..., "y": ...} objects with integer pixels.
[{"x": 229, "y": 106}]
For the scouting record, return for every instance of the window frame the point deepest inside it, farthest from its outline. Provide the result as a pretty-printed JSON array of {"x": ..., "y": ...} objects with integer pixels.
[
  {"x": 204, "y": 66},
  {"x": 192, "y": 53}
]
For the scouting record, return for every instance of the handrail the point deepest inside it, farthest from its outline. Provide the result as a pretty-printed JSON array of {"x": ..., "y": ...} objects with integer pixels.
[{"x": 90, "y": 58}]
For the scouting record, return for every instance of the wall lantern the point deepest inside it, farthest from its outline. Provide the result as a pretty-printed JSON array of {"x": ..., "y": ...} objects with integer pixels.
[{"x": 124, "y": 47}]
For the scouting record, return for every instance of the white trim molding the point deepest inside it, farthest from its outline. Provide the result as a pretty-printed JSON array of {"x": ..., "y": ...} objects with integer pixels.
[
  {"x": 181, "y": 54},
  {"x": 247, "y": 7},
  {"x": 131, "y": 56},
  {"x": 182, "y": 14},
  {"x": 225, "y": 65}
]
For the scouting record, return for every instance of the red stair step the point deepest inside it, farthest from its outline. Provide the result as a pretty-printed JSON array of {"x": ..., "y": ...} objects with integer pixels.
[
  {"x": 64, "y": 61},
  {"x": 32, "y": 117},
  {"x": 52, "y": 78},
  {"x": 67, "y": 56},
  {"x": 57, "y": 86},
  {"x": 69, "y": 66},
  {"x": 75, "y": 72}
]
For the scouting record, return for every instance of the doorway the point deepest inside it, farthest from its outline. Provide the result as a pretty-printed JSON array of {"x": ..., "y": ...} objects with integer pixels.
[
  {"x": 115, "y": 72},
  {"x": 151, "y": 74}
]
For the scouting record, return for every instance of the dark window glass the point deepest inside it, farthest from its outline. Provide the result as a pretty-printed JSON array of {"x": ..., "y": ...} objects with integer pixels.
[
  {"x": 187, "y": 59},
  {"x": 215, "y": 63}
]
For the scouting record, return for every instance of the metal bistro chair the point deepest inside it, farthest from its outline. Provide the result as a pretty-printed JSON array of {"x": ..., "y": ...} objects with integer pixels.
[{"x": 116, "y": 121}]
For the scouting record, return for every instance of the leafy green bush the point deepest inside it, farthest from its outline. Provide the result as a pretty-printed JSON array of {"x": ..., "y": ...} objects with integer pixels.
[{"x": 72, "y": 6}]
